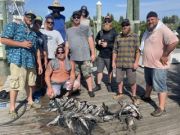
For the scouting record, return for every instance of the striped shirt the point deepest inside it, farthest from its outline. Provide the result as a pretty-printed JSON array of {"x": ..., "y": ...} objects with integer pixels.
[{"x": 126, "y": 48}]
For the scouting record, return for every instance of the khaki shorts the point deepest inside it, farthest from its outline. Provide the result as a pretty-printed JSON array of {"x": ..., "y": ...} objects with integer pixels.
[
  {"x": 130, "y": 74},
  {"x": 20, "y": 77},
  {"x": 83, "y": 67}
]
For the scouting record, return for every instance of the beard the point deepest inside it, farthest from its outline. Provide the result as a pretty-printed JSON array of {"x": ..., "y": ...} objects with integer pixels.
[
  {"x": 107, "y": 27},
  {"x": 150, "y": 29}
]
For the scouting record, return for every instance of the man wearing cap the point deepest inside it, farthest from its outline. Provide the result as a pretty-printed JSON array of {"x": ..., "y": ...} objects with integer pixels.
[
  {"x": 42, "y": 57},
  {"x": 157, "y": 43},
  {"x": 81, "y": 47},
  {"x": 104, "y": 44},
  {"x": 126, "y": 58},
  {"x": 59, "y": 19},
  {"x": 84, "y": 15},
  {"x": 21, "y": 47}
]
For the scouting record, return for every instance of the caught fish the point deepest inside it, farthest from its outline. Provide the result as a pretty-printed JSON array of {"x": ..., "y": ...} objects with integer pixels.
[
  {"x": 108, "y": 118},
  {"x": 54, "y": 122},
  {"x": 89, "y": 109}
]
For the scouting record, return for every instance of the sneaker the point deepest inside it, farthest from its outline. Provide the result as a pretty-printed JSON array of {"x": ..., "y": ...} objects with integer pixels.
[
  {"x": 118, "y": 96},
  {"x": 13, "y": 114},
  {"x": 109, "y": 88},
  {"x": 135, "y": 100},
  {"x": 91, "y": 93},
  {"x": 146, "y": 99},
  {"x": 34, "y": 105},
  {"x": 158, "y": 112},
  {"x": 97, "y": 88}
]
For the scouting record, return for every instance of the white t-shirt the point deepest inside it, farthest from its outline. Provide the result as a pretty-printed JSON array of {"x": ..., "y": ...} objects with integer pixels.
[{"x": 54, "y": 39}]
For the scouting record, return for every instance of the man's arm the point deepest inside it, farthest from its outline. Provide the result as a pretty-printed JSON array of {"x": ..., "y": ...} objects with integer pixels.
[
  {"x": 40, "y": 70},
  {"x": 114, "y": 57},
  {"x": 72, "y": 73},
  {"x": 10, "y": 42},
  {"x": 136, "y": 63},
  {"x": 91, "y": 46},
  {"x": 48, "y": 73},
  {"x": 168, "y": 49},
  {"x": 67, "y": 49}
]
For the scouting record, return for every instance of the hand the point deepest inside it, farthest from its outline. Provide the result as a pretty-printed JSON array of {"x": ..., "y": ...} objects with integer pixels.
[
  {"x": 164, "y": 60},
  {"x": 135, "y": 66},
  {"x": 27, "y": 44},
  {"x": 104, "y": 44},
  {"x": 99, "y": 42},
  {"x": 50, "y": 92},
  {"x": 40, "y": 70}
]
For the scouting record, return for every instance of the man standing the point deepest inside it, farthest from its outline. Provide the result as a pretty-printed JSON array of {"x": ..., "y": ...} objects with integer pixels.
[
  {"x": 81, "y": 47},
  {"x": 126, "y": 58},
  {"x": 59, "y": 19},
  {"x": 104, "y": 44},
  {"x": 157, "y": 43},
  {"x": 21, "y": 52},
  {"x": 54, "y": 38},
  {"x": 42, "y": 58}
]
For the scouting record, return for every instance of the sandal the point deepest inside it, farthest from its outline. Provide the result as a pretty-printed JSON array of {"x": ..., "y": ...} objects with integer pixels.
[
  {"x": 13, "y": 115},
  {"x": 118, "y": 96}
]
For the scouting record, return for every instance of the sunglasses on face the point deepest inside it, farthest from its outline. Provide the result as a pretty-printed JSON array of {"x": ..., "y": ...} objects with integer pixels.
[
  {"x": 61, "y": 52},
  {"x": 76, "y": 17},
  {"x": 107, "y": 21},
  {"x": 48, "y": 22}
]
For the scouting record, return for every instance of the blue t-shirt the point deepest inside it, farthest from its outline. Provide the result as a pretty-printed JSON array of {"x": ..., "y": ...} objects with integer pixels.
[{"x": 18, "y": 55}]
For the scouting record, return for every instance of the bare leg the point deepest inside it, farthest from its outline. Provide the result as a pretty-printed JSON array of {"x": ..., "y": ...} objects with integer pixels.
[
  {"x": 110, "y": 77},
  {"x": 89, "y": 83},
  {"x": 133, "y": 89},
  {"x": 13, "y": 96},
  {"x": 79, "y": 80},
  {"x": 162, "y": 100},
  {"x": 99, "y": 78},
  {"x": 30, "y": 91},
  {"x": 120, "y": 87}
]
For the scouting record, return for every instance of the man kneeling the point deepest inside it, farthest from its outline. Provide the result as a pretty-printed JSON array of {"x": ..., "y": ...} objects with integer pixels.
[{"x": 60, "y": 74}]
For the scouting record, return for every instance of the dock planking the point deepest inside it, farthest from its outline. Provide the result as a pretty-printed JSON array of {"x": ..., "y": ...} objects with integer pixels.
[{"x": 34, "y": 121}]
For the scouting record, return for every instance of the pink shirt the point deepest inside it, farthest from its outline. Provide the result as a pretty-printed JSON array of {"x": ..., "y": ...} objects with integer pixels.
[{"x": 154, "y": 44}]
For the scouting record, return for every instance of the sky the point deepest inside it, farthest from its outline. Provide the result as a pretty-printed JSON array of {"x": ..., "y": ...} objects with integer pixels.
[{"x": 115, "y": 7}]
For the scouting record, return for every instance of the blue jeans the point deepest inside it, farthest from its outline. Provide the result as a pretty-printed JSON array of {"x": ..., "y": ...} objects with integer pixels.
[{"x": 156, "y": 78}]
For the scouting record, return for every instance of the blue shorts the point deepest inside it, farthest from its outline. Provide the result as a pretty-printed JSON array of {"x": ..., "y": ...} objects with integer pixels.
[{"x": 156, "y": 78}]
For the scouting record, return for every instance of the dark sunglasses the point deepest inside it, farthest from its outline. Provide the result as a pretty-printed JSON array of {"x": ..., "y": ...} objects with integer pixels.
[
  {"x": 50, "y": 22},
  {"x": 76, "y": 17},
  {"x": 60, "y": 52},
  {"x": 107, "y": 21}
]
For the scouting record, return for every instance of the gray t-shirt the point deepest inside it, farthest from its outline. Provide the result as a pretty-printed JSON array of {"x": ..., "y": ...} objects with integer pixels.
[{"x": 77, "y": 37}]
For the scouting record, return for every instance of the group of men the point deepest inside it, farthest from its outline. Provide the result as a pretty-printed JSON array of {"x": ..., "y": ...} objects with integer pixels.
[{"x": 70, "y": 53}]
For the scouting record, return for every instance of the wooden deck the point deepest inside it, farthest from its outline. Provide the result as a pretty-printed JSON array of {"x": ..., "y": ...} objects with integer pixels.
[{"x": 34, "y": 121}]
